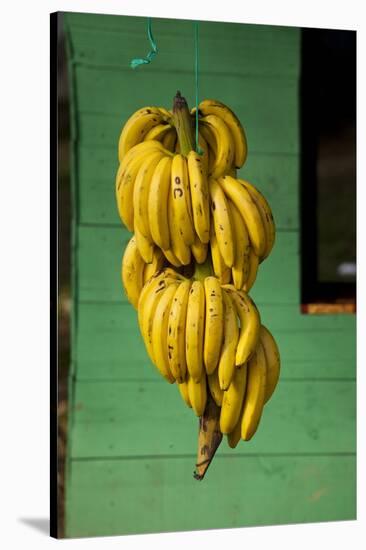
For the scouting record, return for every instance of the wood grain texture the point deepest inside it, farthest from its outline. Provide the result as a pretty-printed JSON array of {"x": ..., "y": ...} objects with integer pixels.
[
  {"x": 217, "y": 55},
  {"x": 127, "y": 419},
  {"x": 114, "y": 497}
]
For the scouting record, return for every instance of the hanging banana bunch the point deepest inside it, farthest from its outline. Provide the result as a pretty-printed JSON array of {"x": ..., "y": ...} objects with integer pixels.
[{"x": 199, "y": 235}]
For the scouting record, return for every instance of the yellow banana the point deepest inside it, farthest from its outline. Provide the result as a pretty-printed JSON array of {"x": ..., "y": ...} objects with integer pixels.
[
  {"x": 155, "y": 266},
  {"x": 125, "y": 180},
  {"x": 213, "y": 323},
  {"x": 195, "y": 331},
  {"x": 197, "y": 393},
  {"x": 176, "y": 339},
  {"x": 167, "y": 115},
  {"x": 249, "y": 324},
  {"x": 169, "y": 272},
  {"x": 248, "y": 210},
  {"x": 224, "y": 144},
  {"x": 183, "y": 390},
  {"x": 145, "y": 246},
  {"x": 158, "y": 132},
  {"x": 233, "y": 400},
  {"x": 178, "y": 246},
  {"x": 199, "y": 250},
  {"x": 146, "y": 309},
  {"x": 214, "y": 107},
  {"x": 169, "y": 140},
  {"x": 253, "y": 270},
  {"x": 222, "y": 222},
  {"x": 207, "y": 134},
  {"x": 234, "y": 437},
  {"x": 227, "y": 366},
  {"x": 172, "y": 259},
  {"x": 199, "y": 195},
  {"x": 157, "y": 207},
  {"x": 140, "y": 150},
  {"x": 123, "y": 200},
  {"x": 147, "y": 109},
  {"x": 241, "y": 265},
  {"x": 222, "y": 272},
  {"x": 160, "y": 278},
  {"x": 214, "y": 387},
  {"x": 141, "y": 193},
  {"x": 273, "y": 361},
  {"x": 136, "y": 128},
  {"x": 204, "y": 148},
  {"x": 182, "y": 198},
  {"x": 254, "y": 396},
  {"x": 132, "y": 272},
  {"x": 159, "y": 332},
  {"x": 211, "y": 155},
  {"x": 266, "y": 215}
]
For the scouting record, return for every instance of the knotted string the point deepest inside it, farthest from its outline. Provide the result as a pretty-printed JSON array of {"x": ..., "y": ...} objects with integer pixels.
[
  {"x": 154, "y": 50},
  {"x": 150, "y": 56}
]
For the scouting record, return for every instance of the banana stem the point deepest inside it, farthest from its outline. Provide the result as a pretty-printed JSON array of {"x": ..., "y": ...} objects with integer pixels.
[
  {"x": 201, "y": 271},
  {"x": 183, "y": 124},
  {"x": 209, "y": 437}
]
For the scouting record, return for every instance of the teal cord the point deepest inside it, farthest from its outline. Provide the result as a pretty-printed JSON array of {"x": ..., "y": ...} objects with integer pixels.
[
  {"x": 150, "y": 56},
  {"x": 196, "y": 68},
  {"x": 154, "y": 50}
]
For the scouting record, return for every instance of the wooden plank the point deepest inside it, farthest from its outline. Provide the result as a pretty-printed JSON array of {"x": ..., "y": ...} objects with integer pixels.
[
  {"x": 279, "y": 34},
  {"x": 266, "y": 106},
  {"x": 152, "y": 496},
  {"x": 110, "y": 347},
  {"x": 100, "y": 251},
  {"x": 275, "y": 176},
  {"x": 98, "y": 259},
  {"x": 247, "y": 51},
  {"x": 132, "y": 418}
]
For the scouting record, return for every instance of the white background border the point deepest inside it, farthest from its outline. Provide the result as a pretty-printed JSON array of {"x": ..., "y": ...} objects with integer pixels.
[{"x": 24, "y": 238}]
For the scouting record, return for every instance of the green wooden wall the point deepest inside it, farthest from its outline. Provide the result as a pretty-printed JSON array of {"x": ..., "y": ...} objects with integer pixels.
[{"x": 132, "y": 441}]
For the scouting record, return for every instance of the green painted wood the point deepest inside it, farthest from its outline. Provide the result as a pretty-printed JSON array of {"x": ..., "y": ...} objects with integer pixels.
[
  {"x": 128, "y": 419},
  {"x": 275, "y": 176},
  {"x": 180, "y": 28},
  {"x": 110, "y": 497},
  {"x": 300, "y": 466},
  {"x": 225, "y": 52},
  {"x": 313, "y": 346},
  {"x": 270, "y": 121},
  {"x": 100, "y": 251}
]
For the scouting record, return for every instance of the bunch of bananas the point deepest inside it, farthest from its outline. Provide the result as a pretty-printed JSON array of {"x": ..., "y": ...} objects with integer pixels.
[
  {"x": 163, "y": 198},
  {"x": 181, "y": 203},
  {"x": 200, "y": 234},
  {"x": 192, "y": 334}
]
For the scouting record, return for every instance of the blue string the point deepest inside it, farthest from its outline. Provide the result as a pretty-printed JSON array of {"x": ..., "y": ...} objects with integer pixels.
[
  {"x": 196, "y": 68},
  {"x": 150, "y": 56}
]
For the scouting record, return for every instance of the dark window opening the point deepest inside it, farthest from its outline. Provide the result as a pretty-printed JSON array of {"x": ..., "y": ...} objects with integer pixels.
[{"x": 328, "y": 167}]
